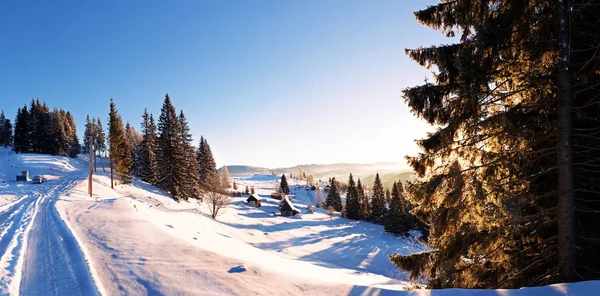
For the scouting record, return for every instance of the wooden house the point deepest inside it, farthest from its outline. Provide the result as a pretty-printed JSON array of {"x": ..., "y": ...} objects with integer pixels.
[
  {"x": 253, "y": 200},
  {"x": 287, "y": 208}
]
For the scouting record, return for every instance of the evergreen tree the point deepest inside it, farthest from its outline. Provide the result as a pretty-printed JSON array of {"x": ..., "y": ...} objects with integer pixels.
[
  {"x": 170, "y": 154},
  {"x": 207, "y": 166},
  {"x": 87, "y": 135},
  {"x": 6, "y": 130},
  {"x": 189, "y": 163},
  {"x": 333, "y": 196},
  {"x": 131, "y": 138},
  {"x": 100, "y": 138},
  {"x": 353, "y": 210},
  {"x": 20, "y": 139},
  {"x": 247, "y": 191},
  {"x": 147, "y": 156},
  {"x": 234, "y": 186},
  {"x": 285, "y": 188},
  {"x": 252, "y": 190},
  {"x": 365, "y": 207},
  {"x": 378, "y": 207},
  {"x": 388, "y": 195},
  {"x": 120, "y": 153},
  {"x": 397, "y": 220},
  {"x": 75, "y": 147},
  {"x": 507, "y": 179}
]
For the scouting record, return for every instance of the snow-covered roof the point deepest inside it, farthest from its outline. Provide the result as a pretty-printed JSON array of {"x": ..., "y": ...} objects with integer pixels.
[{"x": 286, "y": 205}]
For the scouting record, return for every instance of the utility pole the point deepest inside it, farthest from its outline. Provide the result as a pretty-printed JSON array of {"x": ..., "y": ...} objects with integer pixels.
[{"x": 91, "y": 168}]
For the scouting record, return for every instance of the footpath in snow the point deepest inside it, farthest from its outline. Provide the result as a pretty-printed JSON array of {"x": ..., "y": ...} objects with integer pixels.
[{"x": 38, "y": 253}]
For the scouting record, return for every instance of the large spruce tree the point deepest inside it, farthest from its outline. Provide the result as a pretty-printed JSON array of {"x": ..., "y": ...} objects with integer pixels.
[
  {"x": 353, "y": 210},
  {"x": 170, "y": 154},
  {"x": 505, "y": 182}
]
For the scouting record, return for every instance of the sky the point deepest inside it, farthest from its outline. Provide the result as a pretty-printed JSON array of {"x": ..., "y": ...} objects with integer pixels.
[{"x": 268, "y": 82}]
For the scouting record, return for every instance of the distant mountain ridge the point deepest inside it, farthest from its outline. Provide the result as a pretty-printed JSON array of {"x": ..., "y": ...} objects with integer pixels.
[{"x": 388, "y": 171}]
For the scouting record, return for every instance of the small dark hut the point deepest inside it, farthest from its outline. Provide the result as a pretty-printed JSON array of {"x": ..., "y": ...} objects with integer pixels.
[
  {"x": 253, "y": 200},
  {"x": 287, "y": 208},
  {"x": 24, "y": 176}
]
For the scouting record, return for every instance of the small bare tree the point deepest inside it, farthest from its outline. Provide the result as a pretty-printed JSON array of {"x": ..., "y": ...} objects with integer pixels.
[
  {"x": 225, "y": 178},
  {"x": 216, "y": 196},
  {"x": 319, "y": 199}
]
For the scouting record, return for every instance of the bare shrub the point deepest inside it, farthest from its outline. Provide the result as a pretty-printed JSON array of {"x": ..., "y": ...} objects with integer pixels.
[{"x": 216, "y": 197}]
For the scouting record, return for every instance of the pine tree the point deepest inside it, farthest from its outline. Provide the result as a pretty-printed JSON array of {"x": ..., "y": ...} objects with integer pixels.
[
  {"x": 285, "y": 188},
  {"x": 252, "y": 190},
  {"x": 131, "y": 138},
  {"x": 147, "y": 150},
  {"x": 388, "y": 195},
  {"x": 100, "y": 138},
  {"x": 207, "y": 166},
  {"x": 189, "y": 165},
  {"x": 353, "y": 210},
  {"x": 397, "y": 220},
  {"x": 88, "y": 134},
  {"x": 120, "y": 153},
  {"x": 506, "y": 180},
  {"x": 20, "y": 139},
  {"x": 247, "y": 191},
  {"x": 5, "y": 131},
  {"x": 234, "y": 186},
  {"x": 75, "y": 147},
  {"x": 333, "y": 196},
  {"x": 365, "y": 207},
  {"x": 378, "y": 208},
  {"x": 170, "y": 153}
]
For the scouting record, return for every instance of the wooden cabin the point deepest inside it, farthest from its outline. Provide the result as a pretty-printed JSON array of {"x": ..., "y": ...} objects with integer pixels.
[
  {"x": 287, "y": 208},
  {"x": 253, "y": 200}
]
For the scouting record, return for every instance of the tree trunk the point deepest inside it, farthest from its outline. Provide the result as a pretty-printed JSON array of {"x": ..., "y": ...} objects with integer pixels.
[{"x": 566, "y": 195}]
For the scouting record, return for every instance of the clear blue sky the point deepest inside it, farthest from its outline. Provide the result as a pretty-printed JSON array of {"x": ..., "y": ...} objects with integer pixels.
[{"x": 268, "y": 83}]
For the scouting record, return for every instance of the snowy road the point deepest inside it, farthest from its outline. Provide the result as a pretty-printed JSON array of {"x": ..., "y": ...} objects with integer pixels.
[{"x": 38, "y": 253}]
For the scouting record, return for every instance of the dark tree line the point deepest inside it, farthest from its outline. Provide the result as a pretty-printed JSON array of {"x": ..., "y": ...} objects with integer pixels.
[
  {"x": 41, "y": 130},
  {"x": 508, "y": 182},
  {"x": 393, "y": 215}
]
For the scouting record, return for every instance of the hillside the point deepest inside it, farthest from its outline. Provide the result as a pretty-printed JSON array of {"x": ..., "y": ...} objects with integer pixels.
[{"x": 135, "y": 240}]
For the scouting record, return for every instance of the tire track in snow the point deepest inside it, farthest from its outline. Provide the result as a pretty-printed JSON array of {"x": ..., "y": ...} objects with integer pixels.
[
  {"x": 13, "y": 231},
  {"x": 54, "y": 263}
]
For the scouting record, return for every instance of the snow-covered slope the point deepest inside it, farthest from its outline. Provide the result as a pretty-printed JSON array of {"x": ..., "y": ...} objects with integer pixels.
[
  {"x": 38, "y": 253},
  {"x": 134, "y": 240}
]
